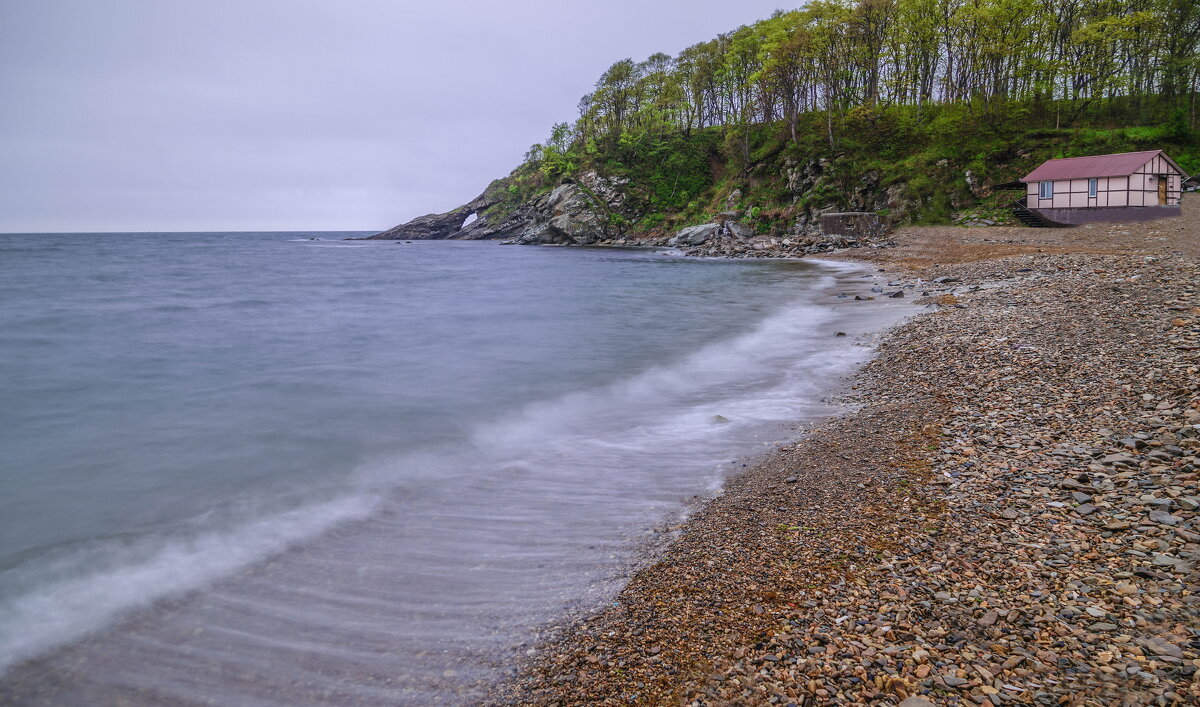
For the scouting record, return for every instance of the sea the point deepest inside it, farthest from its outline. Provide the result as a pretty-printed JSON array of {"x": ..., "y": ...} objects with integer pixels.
[{"x": 291, "y": 468}]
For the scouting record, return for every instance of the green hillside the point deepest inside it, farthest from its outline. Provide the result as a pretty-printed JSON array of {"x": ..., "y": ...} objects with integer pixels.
[{"x": 909, "y": 107}]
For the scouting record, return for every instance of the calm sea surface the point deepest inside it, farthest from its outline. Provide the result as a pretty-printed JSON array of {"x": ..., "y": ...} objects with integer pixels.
[{"x": 259, "y": 469}]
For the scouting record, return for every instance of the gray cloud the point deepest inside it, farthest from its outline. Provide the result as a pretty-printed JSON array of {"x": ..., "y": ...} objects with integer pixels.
[{"x": 273, "y": 115}]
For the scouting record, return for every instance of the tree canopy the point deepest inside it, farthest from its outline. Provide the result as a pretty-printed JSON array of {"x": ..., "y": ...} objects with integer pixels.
[{"x": 1057, "y": 58}]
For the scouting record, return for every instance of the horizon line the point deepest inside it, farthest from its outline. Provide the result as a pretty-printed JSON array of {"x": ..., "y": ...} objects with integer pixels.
[{"x": 138, "y": 233}]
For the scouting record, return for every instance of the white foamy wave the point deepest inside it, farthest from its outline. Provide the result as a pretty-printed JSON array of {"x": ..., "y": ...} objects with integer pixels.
[
  {"x": 679, "y": 422},
  {"x": 766, "y": 375},
  {"x": 772, "y": 374},
  {"x": 94, "y": 586},
  {"x": 651, "y": 438}
]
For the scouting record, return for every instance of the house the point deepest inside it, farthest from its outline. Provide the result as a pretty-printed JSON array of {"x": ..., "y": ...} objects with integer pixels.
[{"x": 1131, "y": 186}]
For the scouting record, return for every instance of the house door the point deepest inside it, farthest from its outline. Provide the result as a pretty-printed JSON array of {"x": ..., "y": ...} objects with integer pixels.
[{"x": 1163, "y": 180}]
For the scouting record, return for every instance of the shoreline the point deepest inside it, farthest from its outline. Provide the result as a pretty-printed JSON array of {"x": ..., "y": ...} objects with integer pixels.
[
  {"x": 1001, "y": 521},
  {"x": 82, "y": 666}
]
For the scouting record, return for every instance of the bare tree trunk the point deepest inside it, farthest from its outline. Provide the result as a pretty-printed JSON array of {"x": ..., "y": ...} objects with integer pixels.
[{"x": 1192, "y": 111}]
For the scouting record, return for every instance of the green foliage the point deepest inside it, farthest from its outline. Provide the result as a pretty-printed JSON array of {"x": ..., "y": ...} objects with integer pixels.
[
  {"x": 651, "y": 222},
  {"x": 937, "y": 61},
  {"x": 669, "y": 172},
  {"x": 913, "y": 92},
  {"x": 1179, "y": 130}
]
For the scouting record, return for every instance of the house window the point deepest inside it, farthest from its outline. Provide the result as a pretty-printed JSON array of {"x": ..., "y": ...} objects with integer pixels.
[
  {"x": 1046, "y": 190},
  {"x": 1092, "y": 186}
]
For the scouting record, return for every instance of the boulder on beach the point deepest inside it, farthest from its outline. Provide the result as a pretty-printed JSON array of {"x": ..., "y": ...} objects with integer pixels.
[{"x": 695, "y": 235}]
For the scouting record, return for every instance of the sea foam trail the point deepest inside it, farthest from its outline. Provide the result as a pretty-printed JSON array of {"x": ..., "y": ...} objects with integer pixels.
[
  {"x": 767, "y": 375},
  {"x": 761, "y": 376},
  {"x": 443, "y": 557},
  {"x": 84, "y": 589}
]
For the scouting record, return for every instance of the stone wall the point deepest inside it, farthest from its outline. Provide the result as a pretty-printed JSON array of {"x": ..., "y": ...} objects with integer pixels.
[
  {"x": 852, "y": 224},
  {"x": 1112, "y": 214}
]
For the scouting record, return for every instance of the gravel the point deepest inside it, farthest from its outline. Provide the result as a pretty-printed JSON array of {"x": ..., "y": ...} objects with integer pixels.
[{"x": 1009, "y": 516}]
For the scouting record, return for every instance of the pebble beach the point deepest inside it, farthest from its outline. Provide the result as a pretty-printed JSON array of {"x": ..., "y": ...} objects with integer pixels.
[{"x": 1005, "y": 513}]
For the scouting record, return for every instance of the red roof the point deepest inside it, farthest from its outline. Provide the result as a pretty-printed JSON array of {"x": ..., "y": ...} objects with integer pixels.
[{"x": 1119, "y": 165}]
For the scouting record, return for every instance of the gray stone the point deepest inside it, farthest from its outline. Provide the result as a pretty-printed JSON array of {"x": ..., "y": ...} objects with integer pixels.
[
  {"x": 732, "y": 200},
  {"x": 738, "y": 229},
  {"x": 1158, "y": 646},
  {"x": 567, "y": 215},
  {"x": 695, "y": 235},
  {"x": 1119, "y": 460},
  {"x": 573, "y": 219},
  {"x": 1164, "y": 518},
  {"x": 439, "y": 226},
  {"x": 855, "y": 224},
  {"x": 574, "y": 212}
]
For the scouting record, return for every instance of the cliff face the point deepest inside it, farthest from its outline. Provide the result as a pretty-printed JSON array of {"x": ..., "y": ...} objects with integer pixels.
[
  {"x": 578, "y": 211},
  {"x": 693, "y": 192},
  {"x": 456, "y": 224},
  {"x": 592, "y": 208}
]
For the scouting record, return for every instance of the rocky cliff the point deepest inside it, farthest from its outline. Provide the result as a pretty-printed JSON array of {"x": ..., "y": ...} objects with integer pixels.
[
  {"x": 579, "y": 211},
  {"x": 594, "y": 209},
  {"x": 762, "y": 191}
]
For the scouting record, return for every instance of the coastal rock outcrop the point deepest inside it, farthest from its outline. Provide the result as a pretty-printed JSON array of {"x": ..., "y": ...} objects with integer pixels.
[
  {"x": 866, "y": 193},
  {"x": 695, "y": 235},
  {"x": 577, "y": 212},
  {"x": 591, "y": 208},
  {"x": 455, "y": 224}
]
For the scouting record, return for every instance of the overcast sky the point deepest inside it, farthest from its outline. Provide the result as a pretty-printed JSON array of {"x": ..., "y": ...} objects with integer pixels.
[{"x": 159, "y": 115}]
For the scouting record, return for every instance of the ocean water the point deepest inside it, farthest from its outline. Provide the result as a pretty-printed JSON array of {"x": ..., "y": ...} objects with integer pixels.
[{"x": 262, "y": 469}]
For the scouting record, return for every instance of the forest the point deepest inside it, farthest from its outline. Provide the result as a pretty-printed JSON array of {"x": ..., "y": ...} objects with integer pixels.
[{"x": 882, "y": 78}]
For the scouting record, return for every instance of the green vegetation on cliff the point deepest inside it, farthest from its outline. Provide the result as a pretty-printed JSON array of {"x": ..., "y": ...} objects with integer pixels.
[{"x": 911, "y": 107}]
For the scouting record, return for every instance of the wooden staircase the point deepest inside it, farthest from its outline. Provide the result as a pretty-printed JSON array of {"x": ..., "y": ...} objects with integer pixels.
[{"x": 1029, "y": 217}]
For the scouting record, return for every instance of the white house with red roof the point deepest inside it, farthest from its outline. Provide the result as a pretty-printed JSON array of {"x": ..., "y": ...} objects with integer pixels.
[{"x": 1131, "y": 186}]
